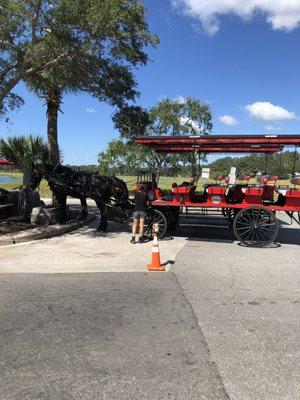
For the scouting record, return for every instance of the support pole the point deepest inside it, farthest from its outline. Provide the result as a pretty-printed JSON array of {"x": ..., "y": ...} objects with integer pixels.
[
  {"x": 266, "y": 164},
  {"x": 294, "y": 163}
]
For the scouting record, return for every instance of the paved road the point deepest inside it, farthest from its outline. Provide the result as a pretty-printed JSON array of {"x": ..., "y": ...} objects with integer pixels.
[
  {"x": 247, "y": 303},
  {"x": 101, "y": 336},
  {"x": 131, "y": 335},
  {"x": 84, "y": 251}
]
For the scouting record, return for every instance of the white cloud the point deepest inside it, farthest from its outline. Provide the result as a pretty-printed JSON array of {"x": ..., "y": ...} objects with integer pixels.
[
  {"x": 180, "y": 99},
  {"x": 272, "y": 128},
  {"x": 189, "y": 122},
  {"x": 228, "y": 120},
  {"x": 91, "y": 110},
  {"x": 281, "y": 14},
  {"x": 265, "y": 111}
]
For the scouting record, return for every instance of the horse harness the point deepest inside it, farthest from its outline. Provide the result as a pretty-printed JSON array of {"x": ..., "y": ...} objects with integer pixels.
[{"x": 67, "y": 185}]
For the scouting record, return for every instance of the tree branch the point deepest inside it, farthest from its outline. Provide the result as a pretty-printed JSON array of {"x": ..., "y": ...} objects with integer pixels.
[
  {"x": 23, "y": 73},
  {"x": 35, "y": 20}
]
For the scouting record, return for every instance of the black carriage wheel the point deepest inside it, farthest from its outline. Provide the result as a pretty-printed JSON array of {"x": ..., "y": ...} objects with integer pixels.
[
  {"x": 255, "y": 226},
  {"x": 155, "y": 216}
]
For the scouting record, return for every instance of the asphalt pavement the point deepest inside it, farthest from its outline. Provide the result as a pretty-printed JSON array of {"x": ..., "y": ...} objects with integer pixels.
[
  {"x": 101, "y": 336},
  {"x": 81, "y": 319},
  {"x": 247, "y": 303}
]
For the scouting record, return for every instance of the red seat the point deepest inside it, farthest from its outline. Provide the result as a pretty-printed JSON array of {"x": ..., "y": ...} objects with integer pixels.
[
  {"x": 253, "y": 195},
  {"x": 184, "y": 193},
  {"x": 262, "y": 180},
  {"x": 159, "y": 194},
  {"x": 216, "y": 194},
  {"x": 293, "y": 197},
  {"x": 244, "y": 178},
  {"x": 295, "y": 181},
  {"x": 273, "y": 178},
  {"x": 236, "y": 194}
]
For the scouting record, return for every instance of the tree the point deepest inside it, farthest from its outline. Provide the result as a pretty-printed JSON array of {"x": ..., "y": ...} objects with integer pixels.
[
  {"x": 172, "y": 117},
  {"x": 277, "y": 164},
  {"x": 79, "y": 45},
  {"x": 23, "y": 151},
  {"x": 168, "y": 117},
  {"x": 131, "y": 121}
]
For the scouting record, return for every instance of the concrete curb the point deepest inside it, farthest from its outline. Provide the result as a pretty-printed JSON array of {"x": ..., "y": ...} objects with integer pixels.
[{"x": 45, "y": 232}]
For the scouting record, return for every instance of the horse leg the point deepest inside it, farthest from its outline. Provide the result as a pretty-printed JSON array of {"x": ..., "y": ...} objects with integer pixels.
[
  {"x": 103, "y": 210},
  {"x": 84, "y": 210},
  {"x": 62, "y": 201}
]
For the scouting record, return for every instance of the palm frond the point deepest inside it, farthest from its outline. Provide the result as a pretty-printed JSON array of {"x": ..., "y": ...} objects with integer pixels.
[{"x": 24, "y": 150}]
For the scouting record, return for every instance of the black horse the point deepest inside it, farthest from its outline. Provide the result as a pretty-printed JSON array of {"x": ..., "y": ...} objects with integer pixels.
[{"x": 63, "y": 182}]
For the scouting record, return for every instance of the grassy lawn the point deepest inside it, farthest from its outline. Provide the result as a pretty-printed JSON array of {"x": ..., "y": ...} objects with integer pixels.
[
  {"x": 44, "y": 188},
  {"x": 165, "y": 183}
]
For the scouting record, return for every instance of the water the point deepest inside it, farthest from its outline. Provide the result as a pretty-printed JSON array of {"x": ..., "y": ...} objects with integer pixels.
[{"x": 8, "y": 179}]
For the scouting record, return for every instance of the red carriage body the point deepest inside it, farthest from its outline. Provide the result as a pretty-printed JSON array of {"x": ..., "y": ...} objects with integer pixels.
[{"x": 238, "y": 203}]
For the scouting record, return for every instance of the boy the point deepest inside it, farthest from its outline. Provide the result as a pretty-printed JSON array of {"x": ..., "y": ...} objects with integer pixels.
[{"x": 139, "y": 213}]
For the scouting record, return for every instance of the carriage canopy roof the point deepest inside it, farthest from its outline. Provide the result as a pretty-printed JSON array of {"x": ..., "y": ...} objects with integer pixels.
[{"x": 267, "y": 144}]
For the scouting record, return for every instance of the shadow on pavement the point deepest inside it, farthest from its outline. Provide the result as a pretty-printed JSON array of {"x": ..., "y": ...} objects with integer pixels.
[{"x": 288, "y": 234}]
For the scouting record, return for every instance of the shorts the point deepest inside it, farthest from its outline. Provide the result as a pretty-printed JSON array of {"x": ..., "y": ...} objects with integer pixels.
[{"x": 139, "y": 215}]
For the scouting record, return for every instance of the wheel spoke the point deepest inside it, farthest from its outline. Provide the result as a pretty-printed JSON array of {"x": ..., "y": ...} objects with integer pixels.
[
  {"x": 242, "y": 234},
  {"x": 255, "y": 226},
  {"x": 242, "y": 228},
  {"x": 264, "y": 235},
  {"x": 247, "y": 217}
]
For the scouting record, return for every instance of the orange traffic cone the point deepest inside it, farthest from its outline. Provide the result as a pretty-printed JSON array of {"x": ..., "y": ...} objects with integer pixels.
[{"x": 155, "y": 261}]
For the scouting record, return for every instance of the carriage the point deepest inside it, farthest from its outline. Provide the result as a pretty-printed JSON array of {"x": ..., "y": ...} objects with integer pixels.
[{"x": 250, "y": 208}]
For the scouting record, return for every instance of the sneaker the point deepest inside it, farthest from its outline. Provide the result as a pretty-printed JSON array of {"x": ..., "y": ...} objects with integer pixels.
[
  {"x": 132, "y": 240},
  {"x": 142, "y": 239}
]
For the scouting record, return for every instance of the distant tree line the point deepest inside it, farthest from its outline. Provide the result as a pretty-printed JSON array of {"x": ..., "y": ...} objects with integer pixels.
[
  {"x": 275, "y": 164},
  {"x": 126, "y": 159}
]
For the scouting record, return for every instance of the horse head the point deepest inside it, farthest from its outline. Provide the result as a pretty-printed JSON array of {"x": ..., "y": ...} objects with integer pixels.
[
  {"x": 120, "y": 191},
  {"x": 37, "y": 173}
]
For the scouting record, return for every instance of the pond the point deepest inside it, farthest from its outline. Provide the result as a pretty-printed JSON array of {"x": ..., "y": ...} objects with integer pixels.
[{"x": 8, "y": 179}]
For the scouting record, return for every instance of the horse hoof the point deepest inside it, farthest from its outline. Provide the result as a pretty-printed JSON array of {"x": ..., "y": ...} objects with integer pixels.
[{"x": 101, "y": 230}]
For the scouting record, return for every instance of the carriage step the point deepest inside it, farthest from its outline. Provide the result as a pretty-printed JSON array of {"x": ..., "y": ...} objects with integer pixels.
[
  {"x": 202, "y": 211},
  {"x": 217, "y": 216},
  {"x": 206, "y": 225}
]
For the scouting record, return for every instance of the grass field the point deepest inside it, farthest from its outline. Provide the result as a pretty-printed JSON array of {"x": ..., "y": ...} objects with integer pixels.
[
  {"x": 165, "y": 183},
  {"x": 44, "y": 188}
]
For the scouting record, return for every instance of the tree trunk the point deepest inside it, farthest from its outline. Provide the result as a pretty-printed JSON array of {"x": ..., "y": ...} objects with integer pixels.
[
  {"x": 53, "y": 103},
  {"x": 26, "y": 176}
]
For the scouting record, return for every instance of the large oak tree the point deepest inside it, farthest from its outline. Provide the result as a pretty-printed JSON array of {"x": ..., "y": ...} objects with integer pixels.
[{"x": 60, "y": 45}]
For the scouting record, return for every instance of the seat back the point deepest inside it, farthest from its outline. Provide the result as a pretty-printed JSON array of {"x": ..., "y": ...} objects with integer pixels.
[
  {"x": 184, "y": 194},
  {"x": 236, "y": 194},
  {"x": 216, "y": 194},
  {"x": 293, "y": 198},
  {"x": 262, "y": 180},
  {"x": 295, "y": 180},
  {"x": 253, "y": 195}
]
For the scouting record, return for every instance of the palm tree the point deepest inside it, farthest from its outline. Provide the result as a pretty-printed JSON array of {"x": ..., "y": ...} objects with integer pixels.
[
  {"x": 50, "y": 86},
  {"x": 23, "y": 151}
]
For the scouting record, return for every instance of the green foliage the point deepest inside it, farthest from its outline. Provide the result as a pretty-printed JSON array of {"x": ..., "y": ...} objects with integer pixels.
[
  {"x": 23, "y": 151},
  {"x": 277, "y": 164},
  {"x": 131, "y": 121},
  {"x": 76, "y": 44},
  {"x": 168, "y": 117},
  {"x": 187, "y": 117},
  {"x": 120, "y": 157}
]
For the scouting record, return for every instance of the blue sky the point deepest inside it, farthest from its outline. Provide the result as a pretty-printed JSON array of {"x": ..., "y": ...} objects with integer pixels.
[{"x": 244, "y": 63}]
